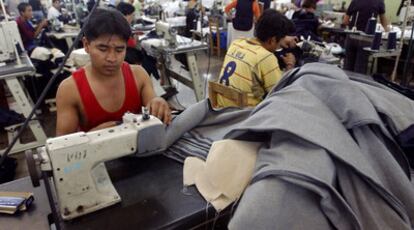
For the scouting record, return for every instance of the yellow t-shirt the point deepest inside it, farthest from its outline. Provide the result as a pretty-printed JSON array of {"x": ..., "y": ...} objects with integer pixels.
[{"x": 250, "y": 68}]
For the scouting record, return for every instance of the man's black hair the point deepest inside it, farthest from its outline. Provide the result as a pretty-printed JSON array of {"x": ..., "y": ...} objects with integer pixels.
[
  {"x": 273, "y": 24},
  {"x": 125, "y": 8},
  {"x": 22, "y": 7},
  {"x": 107, "y": 22},
  {"x": 53, "y": 1},
  {"x": 309, "y": 4}
]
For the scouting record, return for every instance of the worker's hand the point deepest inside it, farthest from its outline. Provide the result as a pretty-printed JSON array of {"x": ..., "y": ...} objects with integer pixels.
[
  {"x": 159, "y": 107},
  {"x": 43, "y": 23},
  {"x": 289, "y": 60},
  {"x": 388, "y": 28},
  {"x": 289, "y": 42}
]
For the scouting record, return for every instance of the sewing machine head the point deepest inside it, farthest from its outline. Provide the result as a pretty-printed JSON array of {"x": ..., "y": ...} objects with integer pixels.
[
  {"x": 409, "y": 12},
  {"x": 311, "y": 48},
  {"x": 153, "y": 9},
  {"x": 312, "y": 51},
  {"x": 218, "y": 4},
  {"x": 10, "y": 39},
  {"x": 55, "y": 25},
  {"x": 167, "y": 32},
  {"x": 335, "y": 17},
  {"x": 75, "y": 161}
]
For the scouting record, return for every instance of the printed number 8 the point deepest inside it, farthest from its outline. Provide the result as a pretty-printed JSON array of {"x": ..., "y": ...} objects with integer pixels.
[{"x": 228, "y": 71}]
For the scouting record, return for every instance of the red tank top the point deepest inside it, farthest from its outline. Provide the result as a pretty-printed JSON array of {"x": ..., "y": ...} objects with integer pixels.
[{"x": 95, "y": 114}]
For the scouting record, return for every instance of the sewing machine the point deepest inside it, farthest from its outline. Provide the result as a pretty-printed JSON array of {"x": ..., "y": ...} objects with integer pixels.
[
  {"x": 314, "y": 51},
  {"x": 167, "y": 32},
  {"x": 335, "y": 17},
  {"x": 10, "y": 38},
  {"x": 153, "y": 9},
  {"x": 403, "y": 11},
  {"x": 75, "y": 162},
  {"x": 55, "y": 25}
]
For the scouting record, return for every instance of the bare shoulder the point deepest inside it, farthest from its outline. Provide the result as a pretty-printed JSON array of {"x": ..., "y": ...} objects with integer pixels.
[
  {"x": 139, "y": 71},
  {"x": 67, "y": 91},
  {"x": 140, "y": 74}
]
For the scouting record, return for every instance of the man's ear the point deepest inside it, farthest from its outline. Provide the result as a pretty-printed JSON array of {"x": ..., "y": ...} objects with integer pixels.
[
  {"x": 269, "y": 41},
  {"x": 85, "y": 44}
]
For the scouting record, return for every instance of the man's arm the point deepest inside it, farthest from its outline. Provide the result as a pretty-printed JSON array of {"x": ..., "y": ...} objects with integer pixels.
[
  {"x": 39, "y": 27},
  {"x": 384, "y": 22},
  {"x": 229, "y": 7},
  {"x": 349, "y": 12},
  {"x": 256, "y": 10},
  {"x": 346, "y": 20},
  {"x": 67, "y": 111},
  {"x": 157, "y": 105},
  {"x": 382, "y": 17}
]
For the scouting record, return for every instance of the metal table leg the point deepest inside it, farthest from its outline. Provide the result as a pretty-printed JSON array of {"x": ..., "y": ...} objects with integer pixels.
[
  {"x": 198, "y": 85},
  {"x": 26, "y": 106}
]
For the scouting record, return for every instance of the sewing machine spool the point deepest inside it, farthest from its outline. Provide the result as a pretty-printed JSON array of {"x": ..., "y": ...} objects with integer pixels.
[
  {"x": 392, "y": 40},
  {"x": 370, "y": 28},
  {"x": 376, "y": 43}
]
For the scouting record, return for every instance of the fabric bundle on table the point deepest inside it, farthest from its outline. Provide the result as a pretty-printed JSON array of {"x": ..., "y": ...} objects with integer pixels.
[{"x": 329, "y": 158}]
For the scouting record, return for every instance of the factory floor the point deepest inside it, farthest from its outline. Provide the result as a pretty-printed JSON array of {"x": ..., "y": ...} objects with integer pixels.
[{"x": 185, "y": 97}]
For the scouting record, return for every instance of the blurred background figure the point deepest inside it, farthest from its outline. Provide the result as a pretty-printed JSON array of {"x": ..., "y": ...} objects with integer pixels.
[
  {"x": 306, "y": 22},
  {"x": 37, "y": 8},
  {"x": 28, "y": 32},
  {"x": 139, "y": 8},
  {"x": 54, "y": 11},
  {"x": 246, "y": 14}
]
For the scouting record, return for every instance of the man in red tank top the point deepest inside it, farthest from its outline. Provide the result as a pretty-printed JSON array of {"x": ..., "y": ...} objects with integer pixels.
[{"x": 97, "y": 95}]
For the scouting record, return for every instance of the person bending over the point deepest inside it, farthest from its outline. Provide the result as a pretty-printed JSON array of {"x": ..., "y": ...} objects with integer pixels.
[
  {"x": 98, "y": 95},
  {"x": 250, "y": 64}
]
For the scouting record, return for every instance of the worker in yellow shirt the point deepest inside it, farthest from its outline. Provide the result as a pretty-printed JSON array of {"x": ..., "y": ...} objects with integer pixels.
[{"x": 250, "y": 64}]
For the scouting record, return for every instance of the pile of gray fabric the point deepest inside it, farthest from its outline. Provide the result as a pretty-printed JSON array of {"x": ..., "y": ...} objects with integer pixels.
[
  {"x": 193, "y": 131},
  {"x": 330, "y": 159}
]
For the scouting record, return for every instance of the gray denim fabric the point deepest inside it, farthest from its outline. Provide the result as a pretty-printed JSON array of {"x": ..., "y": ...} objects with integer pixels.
[
  {"x": 349, "y": 121},
  {"x": 193, "y": 131},
  {"x": 329, "y": 161}
]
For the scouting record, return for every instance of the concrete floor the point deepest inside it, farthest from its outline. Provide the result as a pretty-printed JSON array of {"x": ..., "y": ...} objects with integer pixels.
[{"x": 185, "y": 97}]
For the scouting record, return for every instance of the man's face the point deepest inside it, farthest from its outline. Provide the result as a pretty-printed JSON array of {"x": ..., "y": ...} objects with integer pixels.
[
  {"x": 56, "y": 4},
  {"x": 107, "y": 53},
  {"x": 272, "y": 44},
  {"x": 287, "y": 42},
  {"x": 27, "y": 13},
  {"x": 129, "y": 18}
]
